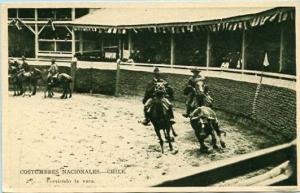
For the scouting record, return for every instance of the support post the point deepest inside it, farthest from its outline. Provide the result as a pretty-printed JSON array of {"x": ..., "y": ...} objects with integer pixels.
[
  {"x": 244, "y": 45},
  {"x": 281, "y": 49},
  {"x": 73, "y": 42},
  {"x": 208, "y": 50},
  {"x": 73, "y": 72},
  {"x": 36, "y": 35},
  {"x": 120, "y": 55},
  {"x": 117, "y": 78},
  {"x": 173, "y": 45},
  {"x": 73, "y": 14},
  {"x": 130, "y": 42},
  {"x": 80, "y": 43}
]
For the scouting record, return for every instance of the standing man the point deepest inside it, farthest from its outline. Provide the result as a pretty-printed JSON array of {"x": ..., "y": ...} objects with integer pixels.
[
  {"x": 191, "y": 85},
  {"x": 52, "y": 71},
  {"x": 149, "y": 94}
]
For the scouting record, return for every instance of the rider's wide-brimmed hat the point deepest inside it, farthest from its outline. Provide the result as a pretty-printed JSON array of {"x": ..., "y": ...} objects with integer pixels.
[
  {"x": 156, "y": 70},
  {"x": 195, "y": 70},
  {"x": 53, "y": 60},
  {"x": 23, "y": 58}
]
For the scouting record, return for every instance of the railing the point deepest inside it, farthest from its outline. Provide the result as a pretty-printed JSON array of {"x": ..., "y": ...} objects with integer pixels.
[
  {"x": 282, "y": 158},
  {"x": 239, "y": 71}
]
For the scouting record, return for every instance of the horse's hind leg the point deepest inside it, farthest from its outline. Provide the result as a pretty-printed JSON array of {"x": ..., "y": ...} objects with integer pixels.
[
  {"x": 218, "y": 131},
  {"x": 161, "y": 142},
  {"x": 173, "y": 131},
  {"x": 169, "y": 139},
  {"x": 70, "y": 91}
]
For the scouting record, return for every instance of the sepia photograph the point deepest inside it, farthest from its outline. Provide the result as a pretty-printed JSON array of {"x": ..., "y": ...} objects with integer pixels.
[{"x": 149, "y": 97}]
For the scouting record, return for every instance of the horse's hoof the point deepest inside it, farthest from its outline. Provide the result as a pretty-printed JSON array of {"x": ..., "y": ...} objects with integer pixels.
[
  {"x": 204, "y": 150},
  {"x": 174, "y": 152},
  {"x": 223, "y": 144}
]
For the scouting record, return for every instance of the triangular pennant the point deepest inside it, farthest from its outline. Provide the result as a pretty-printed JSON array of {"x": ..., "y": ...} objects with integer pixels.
[{"x": 266, "y": 60}]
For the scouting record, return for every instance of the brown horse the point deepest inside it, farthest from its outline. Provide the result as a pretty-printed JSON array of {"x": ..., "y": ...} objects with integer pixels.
[
  {"x": 159, "y": 115},
  {"x": 62, "y": 80}
]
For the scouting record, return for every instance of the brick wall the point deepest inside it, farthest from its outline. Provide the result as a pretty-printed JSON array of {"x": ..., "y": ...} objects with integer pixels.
[{"x": 275, "y": 106}]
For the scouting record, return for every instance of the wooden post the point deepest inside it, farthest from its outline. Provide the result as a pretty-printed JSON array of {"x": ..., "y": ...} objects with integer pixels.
[
  {"x": 80, "y": 43},
  {"x": 130, "y": 42},
  {"x": 117, "y": 78},
  {"x": 120, "y": 55},
  {"x": 244, "y": 45},
  {"x": 208, "y": 50},
  {"x": 73, "y": 72},
  {"x": 281, "y": 48},
  {"x": 173, "y": 45},
  {"x": 73, "y": 42},
  {"x": 73, "y": 14},
  {"x": 36, "y": 34}
]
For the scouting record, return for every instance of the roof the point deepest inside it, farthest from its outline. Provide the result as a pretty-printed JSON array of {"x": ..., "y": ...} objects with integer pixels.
[{"x": 145, "y": 17}]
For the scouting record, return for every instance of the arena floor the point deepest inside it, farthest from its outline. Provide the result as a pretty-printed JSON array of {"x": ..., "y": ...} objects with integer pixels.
[{"x": 103, "y": 133}]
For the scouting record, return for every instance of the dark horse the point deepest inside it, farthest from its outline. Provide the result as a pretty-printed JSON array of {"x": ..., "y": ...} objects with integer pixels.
[
  {"x": 62, "y": 80},
  {"x": 21, "y": 79},
  {"x": 159, "y": 115},
  {"x": 204, "y": 122}
]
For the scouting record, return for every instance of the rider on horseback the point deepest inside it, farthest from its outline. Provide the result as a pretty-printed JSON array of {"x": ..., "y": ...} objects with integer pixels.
[
  {"x": 23, "y": 67},
  {"x": 149, "y": 94},
  {"x": 192, "y": 84},
  {"x": 52, "y": 71}
]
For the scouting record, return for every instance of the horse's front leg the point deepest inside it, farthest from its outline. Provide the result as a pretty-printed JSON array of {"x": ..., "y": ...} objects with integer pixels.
[
  {"x": 161, "y": 142},
  {"x": 169, "y": 139}
]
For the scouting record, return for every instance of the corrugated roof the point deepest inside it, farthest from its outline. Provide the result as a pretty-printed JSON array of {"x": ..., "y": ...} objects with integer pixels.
[{"x": 138, "y": 16}]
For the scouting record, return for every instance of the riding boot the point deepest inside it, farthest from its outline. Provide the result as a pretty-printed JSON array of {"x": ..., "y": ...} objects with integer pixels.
[
  {"x": 171, "y": 115},
  {"x": 146, "y": 121},
  {"x": 188, "y": 111}
]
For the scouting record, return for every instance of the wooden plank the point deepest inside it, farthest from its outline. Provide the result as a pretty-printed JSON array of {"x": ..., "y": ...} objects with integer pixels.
[
  {"x": 173, "y": 46},
  {"x": 208, "y": 50},
  {"x": 227, "y": 169}
]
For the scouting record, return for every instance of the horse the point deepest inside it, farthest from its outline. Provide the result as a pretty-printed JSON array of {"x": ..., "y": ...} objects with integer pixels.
[
  {"x": 159, "y": 115},
  {"x": 29, "y": 79},
  {"x": 13, "y": 79},
  {"x": 64, "y": 80},
  {"x": 204, "y": 123}
]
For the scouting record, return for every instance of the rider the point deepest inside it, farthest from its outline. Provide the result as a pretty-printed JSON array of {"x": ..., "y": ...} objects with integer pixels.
[
  {"x": 192, "y": 82},
  {"x": 52, "y": 71},
  {"x": 149, "y": 94},
  {"x": 24, "y": 66}
]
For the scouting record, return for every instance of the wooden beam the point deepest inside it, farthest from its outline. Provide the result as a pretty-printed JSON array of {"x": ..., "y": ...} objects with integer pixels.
[
  {"x": 73, "y": 14},
  {"x": 244, "y": 64},
  {"x": 130, "y": 42},
  {"x": 281, "y": 67},
  {"x": 173, "y": 46},
  {"x": 73, "y": 42},
  {"x": 236, "y": 166},
  {"x": 36, "y": 41},
  {"x": 208, "y": 49},
  {"x": 80, "y": 43}
]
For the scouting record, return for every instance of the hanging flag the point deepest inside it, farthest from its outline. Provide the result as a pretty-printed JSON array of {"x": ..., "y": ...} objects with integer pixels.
[
  {"x": 173, "y": 30},
  {"x": 191, "y": 28},
  {"x": 284, "y": 16},
  {"x": 124, "y": 31},
  {"x": 273, "y": 17},
  {"x": 155, "y": 30},
  {"x": 135, "y": 31},
  {"x": 50, "y": 22},
  {"x": 18, "y": 25},
  {"x": 266, "y": 60}
]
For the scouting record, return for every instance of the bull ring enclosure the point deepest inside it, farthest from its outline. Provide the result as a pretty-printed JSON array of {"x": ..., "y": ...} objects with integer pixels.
[{"x": 99, "y": 128}]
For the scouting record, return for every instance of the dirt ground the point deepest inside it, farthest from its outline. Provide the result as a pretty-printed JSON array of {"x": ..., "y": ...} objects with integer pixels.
[{"x": 103, "y": 133}]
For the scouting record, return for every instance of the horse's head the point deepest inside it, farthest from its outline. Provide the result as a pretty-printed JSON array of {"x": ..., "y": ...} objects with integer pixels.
[
  {"x": 160, "y": 88},
  {"x": 199, "y": 85}
]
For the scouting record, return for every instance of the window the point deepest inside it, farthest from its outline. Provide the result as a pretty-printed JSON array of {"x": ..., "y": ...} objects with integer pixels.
[
  {"x": 12, "y": 13},
  {"x": 64, "y": 46},
  {"x": 47, "y": 46}
]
